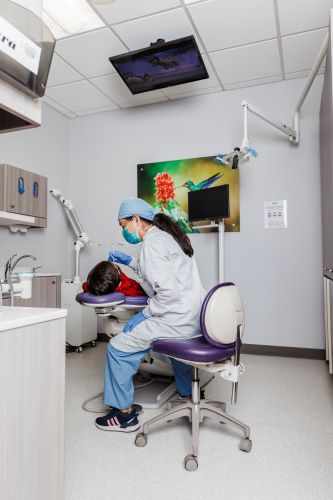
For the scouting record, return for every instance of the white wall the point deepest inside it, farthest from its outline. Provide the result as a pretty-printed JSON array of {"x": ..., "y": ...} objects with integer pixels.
[
  {"x": 279, "y": 272},
  {"x": 43, "y": 150}
]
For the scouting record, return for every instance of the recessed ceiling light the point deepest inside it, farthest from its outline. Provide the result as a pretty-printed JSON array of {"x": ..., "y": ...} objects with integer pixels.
[{"x": 68, "y": 17}]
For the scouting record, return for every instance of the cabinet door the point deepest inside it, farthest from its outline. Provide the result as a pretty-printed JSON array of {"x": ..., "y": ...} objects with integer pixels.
[
  {"x": 38, "y": 190},
  {"x": 330, "y": 326},
  {"x": 45, "y": 293},
  {"x": 326, "y": 163},
  {"x": 19, "y": 196}
]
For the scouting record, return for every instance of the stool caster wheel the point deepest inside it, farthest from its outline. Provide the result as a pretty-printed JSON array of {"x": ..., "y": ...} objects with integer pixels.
[
  {"x": 246, "y": 445},
  {"x": 190, "y": 463},
  {"x": 93, "y": 343},
  {"x": 140, "y": 440},
  {"x": 79, "y": 349}
]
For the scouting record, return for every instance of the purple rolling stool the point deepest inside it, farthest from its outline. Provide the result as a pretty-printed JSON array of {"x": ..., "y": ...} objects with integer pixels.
[{"x": 217, "y": 351}]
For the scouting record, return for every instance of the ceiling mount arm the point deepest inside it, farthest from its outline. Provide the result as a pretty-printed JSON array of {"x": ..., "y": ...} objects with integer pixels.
[
  {"x": 319, "y": 59},
  {"x": 292, "y": 133},
  {"x": 285, "y": 129}
]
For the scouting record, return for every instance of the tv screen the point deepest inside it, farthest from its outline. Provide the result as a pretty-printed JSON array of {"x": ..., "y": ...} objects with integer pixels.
[
  {"x": 161, "y": 65},
  {"x": 211, "y": 203}
]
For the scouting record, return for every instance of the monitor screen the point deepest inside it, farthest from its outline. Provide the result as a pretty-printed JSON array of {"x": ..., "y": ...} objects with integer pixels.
[
  {"x": 161, "y": 65},
  {"x": 211, "y": 203}
]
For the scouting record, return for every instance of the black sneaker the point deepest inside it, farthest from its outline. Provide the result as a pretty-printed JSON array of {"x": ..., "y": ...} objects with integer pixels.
[{"x": 118, "y": 421}]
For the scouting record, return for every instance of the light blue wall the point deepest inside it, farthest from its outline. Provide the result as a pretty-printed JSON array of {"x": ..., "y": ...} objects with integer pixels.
[{"x": 279, "y": 272}]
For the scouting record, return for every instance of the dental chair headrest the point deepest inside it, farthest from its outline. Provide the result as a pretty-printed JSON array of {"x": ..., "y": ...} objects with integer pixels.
[
  {"x": 221, "y": 313},
  {"x": 90, "y": 298},
  {"x": 111, "y": 298}
]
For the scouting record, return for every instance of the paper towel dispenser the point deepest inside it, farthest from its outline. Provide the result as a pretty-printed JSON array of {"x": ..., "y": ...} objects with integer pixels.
[{"x": 26, "y": 51}]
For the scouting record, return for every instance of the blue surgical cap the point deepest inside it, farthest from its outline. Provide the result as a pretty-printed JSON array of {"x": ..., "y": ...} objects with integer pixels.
[{"x": 135, "y": 206}]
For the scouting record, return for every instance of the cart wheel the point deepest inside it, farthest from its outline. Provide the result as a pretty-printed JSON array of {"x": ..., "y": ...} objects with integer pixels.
[
  {"x": 79, "y": 349},
  {"x": 190, "y": 463},
  {"x": 245, "y": 445},
  {"x": 93, "y": 343},
  {"x": 141, "y": 440}
]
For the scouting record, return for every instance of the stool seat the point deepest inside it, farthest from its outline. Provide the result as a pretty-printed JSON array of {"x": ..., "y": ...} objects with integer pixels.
[{"x": 195, "y": 349}]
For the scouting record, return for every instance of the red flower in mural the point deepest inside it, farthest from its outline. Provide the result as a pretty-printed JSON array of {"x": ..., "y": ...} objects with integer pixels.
[{"x": 165, "y": 188}]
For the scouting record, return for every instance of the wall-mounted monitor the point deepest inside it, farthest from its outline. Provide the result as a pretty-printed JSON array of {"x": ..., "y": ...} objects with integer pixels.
[
  {"x": 161, "y": 65},
  {"x": 209, "y": 204}
]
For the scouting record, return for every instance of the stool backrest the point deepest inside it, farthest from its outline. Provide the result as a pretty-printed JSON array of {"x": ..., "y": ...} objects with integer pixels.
[{"x": 221, "y": 314}]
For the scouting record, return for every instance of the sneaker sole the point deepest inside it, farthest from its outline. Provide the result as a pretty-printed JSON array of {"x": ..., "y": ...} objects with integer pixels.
[{"x": 115, "y": 428}]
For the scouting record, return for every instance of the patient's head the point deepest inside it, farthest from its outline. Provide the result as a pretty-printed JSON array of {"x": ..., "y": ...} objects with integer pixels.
[{"x": 103, "y": 278}]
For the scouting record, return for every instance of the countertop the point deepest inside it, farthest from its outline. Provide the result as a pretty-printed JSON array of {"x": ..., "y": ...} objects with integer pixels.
[
  {"x": 41, "y": 275},
  {"x": 16, "y": 317}
]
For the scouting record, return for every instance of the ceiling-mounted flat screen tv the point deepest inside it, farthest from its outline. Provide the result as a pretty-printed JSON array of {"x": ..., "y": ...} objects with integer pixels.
[{"x": 161, "y": 65}]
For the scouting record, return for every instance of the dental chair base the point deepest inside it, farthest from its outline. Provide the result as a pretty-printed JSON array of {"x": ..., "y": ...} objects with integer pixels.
[
  {"x": 154, "y": 384},
  {"x": 81, "y": 323}
]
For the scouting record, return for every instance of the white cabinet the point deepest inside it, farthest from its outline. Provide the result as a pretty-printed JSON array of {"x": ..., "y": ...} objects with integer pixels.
[
  {"x": 32, "y": 388},
  {"x": 46, "y": 292}
]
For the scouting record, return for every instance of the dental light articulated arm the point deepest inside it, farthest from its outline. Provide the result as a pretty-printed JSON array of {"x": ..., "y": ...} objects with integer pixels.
[{"x": 82, "y": 238}]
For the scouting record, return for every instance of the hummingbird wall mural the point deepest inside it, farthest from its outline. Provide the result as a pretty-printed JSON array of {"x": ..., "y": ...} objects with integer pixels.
[{"x": 166, "y": 184}]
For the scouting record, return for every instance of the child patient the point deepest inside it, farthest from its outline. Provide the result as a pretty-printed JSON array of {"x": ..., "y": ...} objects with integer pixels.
[{"x": 107, "y": 277}]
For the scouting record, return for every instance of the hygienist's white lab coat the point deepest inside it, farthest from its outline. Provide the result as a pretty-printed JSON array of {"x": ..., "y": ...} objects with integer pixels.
[{"x": 171, "y": 280}]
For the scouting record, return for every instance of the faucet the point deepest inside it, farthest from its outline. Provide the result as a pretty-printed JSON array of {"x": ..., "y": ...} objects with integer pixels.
[{"x": 9, "y": 268}]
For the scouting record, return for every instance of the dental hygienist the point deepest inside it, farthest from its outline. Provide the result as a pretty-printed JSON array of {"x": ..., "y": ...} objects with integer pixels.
[{"x": 167, "y": 271}]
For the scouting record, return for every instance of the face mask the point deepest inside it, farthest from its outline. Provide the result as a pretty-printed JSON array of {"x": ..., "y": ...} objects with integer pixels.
[{"x": 132, "y": 238}]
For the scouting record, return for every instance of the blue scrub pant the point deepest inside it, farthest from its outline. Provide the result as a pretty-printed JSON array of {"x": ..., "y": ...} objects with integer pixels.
[{"x": 120, "y": 368}]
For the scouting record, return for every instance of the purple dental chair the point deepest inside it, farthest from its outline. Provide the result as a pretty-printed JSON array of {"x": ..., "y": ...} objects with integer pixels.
[{"x": 217, "y": 351}]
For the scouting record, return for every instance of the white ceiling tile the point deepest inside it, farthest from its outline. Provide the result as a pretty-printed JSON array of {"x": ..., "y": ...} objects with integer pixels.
[
  {"x": 249, "y": 62},
  {"x": 170, "y": 25},
  {"x": 61, "y": 72},
  {"x": 115, "y": 88},
  {"x": 195, "y": 92},
  {"x": 123, "y": 10},
  {"x": 78, "y": 96},
  {"x": 302, "y": 74},
  {"x": 132, "y": 104},
  {"x": 89, "y": 53},
  {"x": 303, "y": 15},
  {"x": 212, "y": 81},
  {"x": 254, "y": 83},
  {"x": 57, "y": 107},
  {"x": 223, "y": 24},
  {"x": 300, "y": 51},
  {"x": 94, "y": 111}
]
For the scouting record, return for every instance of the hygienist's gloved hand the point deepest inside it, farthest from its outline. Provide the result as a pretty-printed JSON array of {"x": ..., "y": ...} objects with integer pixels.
[
  {"x": 133, "y": 322},
  {"x": 119, "y": 257}
]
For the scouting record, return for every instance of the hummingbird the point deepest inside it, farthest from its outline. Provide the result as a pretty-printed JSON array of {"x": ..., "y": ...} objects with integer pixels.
[{"x": 201, "y": 185}]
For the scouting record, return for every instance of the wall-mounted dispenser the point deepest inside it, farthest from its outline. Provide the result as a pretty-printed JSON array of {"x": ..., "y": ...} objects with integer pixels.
[
  {"x": 26, "y": 50},
  {"x": 23, "y": 199}
]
